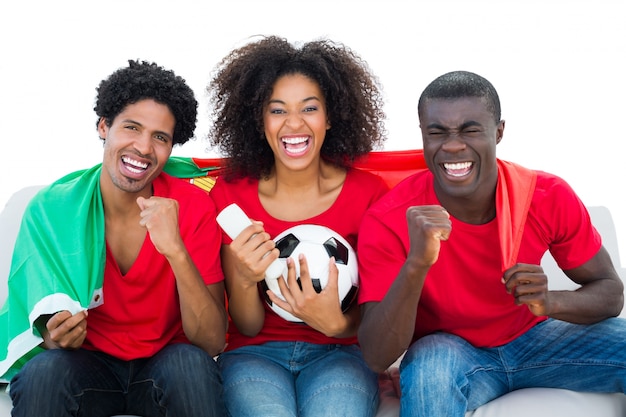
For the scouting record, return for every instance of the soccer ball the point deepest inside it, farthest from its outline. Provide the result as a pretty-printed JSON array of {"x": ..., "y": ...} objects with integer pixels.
[{"x": 318, "y": 243}]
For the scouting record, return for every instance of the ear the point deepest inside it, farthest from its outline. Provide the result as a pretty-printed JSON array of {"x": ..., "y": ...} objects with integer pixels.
[
  {"x": 500, "y": 132},
  {"x": 103, "y": 129}
]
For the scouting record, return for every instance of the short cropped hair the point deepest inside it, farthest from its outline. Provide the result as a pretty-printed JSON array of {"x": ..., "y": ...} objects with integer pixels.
[
  {"x": 459, "y": 84},
  {"x": 144, "y": 80}
]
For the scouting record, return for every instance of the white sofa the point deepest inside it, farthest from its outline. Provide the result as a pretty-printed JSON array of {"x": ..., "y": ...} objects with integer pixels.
[{"x": 536, "y": 402}]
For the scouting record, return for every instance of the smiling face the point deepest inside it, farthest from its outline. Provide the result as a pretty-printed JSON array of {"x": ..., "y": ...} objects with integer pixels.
[
  {"x": 295, "y": 121},
  {"x": 460, "y": 138},
  {"x": 136, "y": 146}
]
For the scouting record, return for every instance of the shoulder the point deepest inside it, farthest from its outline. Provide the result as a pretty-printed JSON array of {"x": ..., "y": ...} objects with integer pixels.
[
  {"x": 366, "y": 181},
  {"x": 556, "y": 207},
  {"x": 551, "y": 187},
  {"x": 416, "y": 189},
  {"x": 225, "y": 192},
  {"x": 364, "y": 176},
  {"x": 190, "y": 198},
  {"x": 174, "y": 187}
]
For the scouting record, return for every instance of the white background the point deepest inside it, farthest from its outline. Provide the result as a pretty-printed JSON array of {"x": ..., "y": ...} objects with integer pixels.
[{"x": 559, "y": 67}]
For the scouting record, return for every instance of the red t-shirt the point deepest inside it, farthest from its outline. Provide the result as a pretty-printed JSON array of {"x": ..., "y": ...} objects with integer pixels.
[
  {"x": 359, "y": 191},
  {"x": 141, "y": 310},
  {"x": 463, "y": 293}
]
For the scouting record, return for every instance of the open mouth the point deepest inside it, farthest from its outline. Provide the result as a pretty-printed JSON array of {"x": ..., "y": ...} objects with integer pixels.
[
  {"x": 134, "y": 166},
  {"x": 296, "y": 145},
  {"x": 458, "y": 169}
]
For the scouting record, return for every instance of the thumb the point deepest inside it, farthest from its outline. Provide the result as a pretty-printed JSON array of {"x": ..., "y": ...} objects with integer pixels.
[{"x": 141, "y": 202}]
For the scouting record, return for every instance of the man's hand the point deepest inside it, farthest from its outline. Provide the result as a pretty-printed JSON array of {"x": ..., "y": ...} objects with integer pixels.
[
  {"x": 428, "y": 226},
  {"x": 160, "y": 216},
  {"x": 529, "y": 285},
  {"x": 65, "y": 331}
]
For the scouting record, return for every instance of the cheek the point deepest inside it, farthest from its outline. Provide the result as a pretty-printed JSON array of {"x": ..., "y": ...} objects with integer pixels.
[
  {"x": 270, "y": 128},
  {"x": 165, "y": 150}
]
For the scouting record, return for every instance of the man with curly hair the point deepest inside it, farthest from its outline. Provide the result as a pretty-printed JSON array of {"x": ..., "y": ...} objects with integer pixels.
[{"x": 121, "y": 263}]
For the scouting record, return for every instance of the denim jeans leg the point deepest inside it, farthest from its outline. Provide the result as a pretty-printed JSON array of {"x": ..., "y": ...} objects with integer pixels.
[
  {"x": 61, "y": 383},
  {"x": 180, "y": 380},
  {"x": 256, "y": 383},
  {"x": 289, "y": 379},
  {"x": 337, "y": 384},
  {"x": 442, "y": 375},
  {"x": 579, "y": 357}
]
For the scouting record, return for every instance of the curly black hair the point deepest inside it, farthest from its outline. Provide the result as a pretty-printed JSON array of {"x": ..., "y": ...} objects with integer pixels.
[
  {"x": 459, "y": 84},
  {"x": 242, "y": 86},
  {"x": 145, "y": 80}
]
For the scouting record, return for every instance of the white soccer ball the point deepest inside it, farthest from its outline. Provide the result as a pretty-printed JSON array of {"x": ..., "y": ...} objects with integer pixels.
[{"x": 318, "y": 244}]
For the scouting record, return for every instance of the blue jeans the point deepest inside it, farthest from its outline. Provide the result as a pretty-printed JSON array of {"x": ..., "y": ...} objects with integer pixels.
[
  {"x": 289, "y": 379},
  {"x": 180, "y": 380},
  {"x": 443, "y": 375}
]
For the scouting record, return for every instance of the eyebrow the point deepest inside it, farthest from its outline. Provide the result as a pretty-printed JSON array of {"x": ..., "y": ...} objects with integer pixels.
[
  {"x": 302, "y": 101},
  {"x": 465, "y": 125}
]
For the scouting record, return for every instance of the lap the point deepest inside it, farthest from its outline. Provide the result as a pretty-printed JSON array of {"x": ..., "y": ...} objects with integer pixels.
[
  {"x": 288, "y": 379},
  {"x": 553, "y": 354}
]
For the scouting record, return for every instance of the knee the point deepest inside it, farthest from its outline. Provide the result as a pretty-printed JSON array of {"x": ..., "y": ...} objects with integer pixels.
[
  {"x": 434, "y": 359},
  {"x": 188, "y": 362},
  {"x": 42, "y": 376},
  {"x": 48, "y": 366}
]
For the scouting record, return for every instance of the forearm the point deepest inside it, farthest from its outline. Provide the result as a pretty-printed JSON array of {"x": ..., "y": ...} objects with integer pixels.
[
  {"x": 588, "y": 304},
  {"x": 387, "y": 327},
  {"x": 202, "y": 310},
  {"x": 246, "y": 309}
]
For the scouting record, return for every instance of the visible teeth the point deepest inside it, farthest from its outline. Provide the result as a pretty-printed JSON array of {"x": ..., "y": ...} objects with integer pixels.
[
  {"x": 458, "y": 169},
  {"x": 140, "y": 165},
  {"x": 458, "y": 165},
  {"x": 295, "y": 141}
]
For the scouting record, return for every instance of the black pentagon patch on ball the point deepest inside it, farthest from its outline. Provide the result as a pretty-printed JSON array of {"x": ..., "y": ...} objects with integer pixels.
[
  {"x": 338, "y": 250},
  {"x": 286, "y": 245}
]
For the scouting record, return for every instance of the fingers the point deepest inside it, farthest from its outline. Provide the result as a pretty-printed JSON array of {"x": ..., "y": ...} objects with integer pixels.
[
  {"x": 157, "y": 210},
  {"x": 68, "y": 331},
  {"x": 333, "y": 276},
  {"x": 305, "y": 276},
  {"x": 434, "y": 221},
  {"x": 254, "y": 251},
  {"x": 522, "y": 275},
  {"x": 529, "y": 286},
  {"x": 428, "y": 227},
  {"x": 287, "y": 299}
]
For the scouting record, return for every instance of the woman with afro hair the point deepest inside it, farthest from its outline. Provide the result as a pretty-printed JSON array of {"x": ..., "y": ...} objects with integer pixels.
[{"x": 290, "y": 121}]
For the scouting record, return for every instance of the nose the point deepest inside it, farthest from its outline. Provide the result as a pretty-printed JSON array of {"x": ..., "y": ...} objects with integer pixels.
[
  {"x": 294, "y": 120},
  {"x": 454, "y": 143},
  {"x": 143, "y": 143}
]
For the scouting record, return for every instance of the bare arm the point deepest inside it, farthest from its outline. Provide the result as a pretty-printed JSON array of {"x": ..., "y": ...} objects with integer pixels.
[
  {"x": 600, "y": 295},
  {"x": 202, "y": 307},
  {"x": 244, "y": 262},
  {"x": 394, "y": 317}
]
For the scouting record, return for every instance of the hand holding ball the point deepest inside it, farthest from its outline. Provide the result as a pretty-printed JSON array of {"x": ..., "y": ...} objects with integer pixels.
[{"x": 318, "y": 244}]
